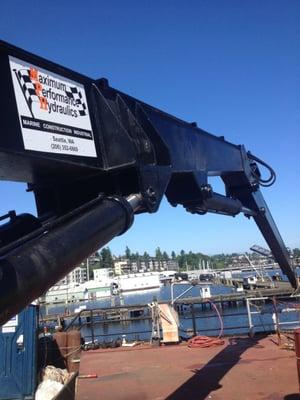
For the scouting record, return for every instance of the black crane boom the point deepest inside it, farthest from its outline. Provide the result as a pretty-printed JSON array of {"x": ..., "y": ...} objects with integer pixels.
[{"x": 93, "y": 156}]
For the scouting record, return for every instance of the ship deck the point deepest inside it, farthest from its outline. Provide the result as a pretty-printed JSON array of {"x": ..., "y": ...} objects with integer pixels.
[{"x": 242, "y": 368}]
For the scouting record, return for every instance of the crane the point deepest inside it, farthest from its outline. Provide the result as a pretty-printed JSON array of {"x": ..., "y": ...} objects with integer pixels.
[{"x": 93, "y": 158}]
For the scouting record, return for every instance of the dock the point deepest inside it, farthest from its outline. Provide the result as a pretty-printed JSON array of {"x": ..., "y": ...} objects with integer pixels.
[
  {"x": 283, "y": 289},
  {"x": 243, "y": 368},
  {"x": 108, "y": 314},
  {"x": 127, "y": 313}
]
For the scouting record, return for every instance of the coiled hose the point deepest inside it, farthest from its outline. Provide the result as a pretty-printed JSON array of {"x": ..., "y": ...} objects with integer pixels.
[{"x": 206, "y": 341}]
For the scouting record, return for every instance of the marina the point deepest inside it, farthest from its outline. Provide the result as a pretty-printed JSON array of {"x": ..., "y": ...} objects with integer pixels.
[{"x": 129, "y": 314}]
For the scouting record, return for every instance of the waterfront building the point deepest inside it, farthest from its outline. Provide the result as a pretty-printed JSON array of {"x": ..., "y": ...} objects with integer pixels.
[
  {"x": 102, "y": 273},
  {"x": 134, "y": 267},
  {"x": 171, "y": 265},
  {"x": 78, "y": 275},
  {"x": 122, "y": 267}
]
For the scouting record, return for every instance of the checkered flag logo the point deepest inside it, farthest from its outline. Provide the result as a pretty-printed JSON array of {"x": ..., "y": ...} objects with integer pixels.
[
  {"x": 28, "y": 88},
  {"x": 75, "y": 94}
]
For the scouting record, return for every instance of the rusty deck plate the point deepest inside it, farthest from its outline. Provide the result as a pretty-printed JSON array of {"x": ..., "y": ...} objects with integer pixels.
[{"x": 242, "y": 369}]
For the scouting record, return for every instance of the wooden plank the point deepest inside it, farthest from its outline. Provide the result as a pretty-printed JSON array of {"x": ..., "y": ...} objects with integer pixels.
[{"x": 169, "y": 323}]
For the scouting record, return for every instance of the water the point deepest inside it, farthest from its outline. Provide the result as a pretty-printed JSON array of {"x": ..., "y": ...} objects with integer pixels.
[{"x": 235, "y": 319}]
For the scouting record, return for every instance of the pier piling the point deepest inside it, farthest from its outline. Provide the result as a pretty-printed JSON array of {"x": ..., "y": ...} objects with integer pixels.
[{"x": 193, "y": 320}]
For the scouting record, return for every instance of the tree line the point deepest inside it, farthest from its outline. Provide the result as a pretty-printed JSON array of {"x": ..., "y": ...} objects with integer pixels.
[
  {"x": 105, "y": 258},
  {"x": 183, "y": 258}
]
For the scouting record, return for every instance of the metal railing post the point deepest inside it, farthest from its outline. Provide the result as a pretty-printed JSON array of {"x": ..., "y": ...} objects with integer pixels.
[
  {"x": 194, "y": 320},
  {"x": 92, "y": 326},
  {"x": 251, "y": 326},
  {"x": 277, "y": 322}
]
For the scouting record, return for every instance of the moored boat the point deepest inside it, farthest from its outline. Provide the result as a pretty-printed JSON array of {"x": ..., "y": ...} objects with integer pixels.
[{"x": 89, "y": 290}]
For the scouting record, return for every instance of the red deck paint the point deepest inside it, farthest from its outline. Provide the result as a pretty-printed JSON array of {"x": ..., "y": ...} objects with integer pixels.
[{"x": 242, "y": 369}]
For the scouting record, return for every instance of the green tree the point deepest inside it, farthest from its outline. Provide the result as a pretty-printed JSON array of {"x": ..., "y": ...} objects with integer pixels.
[
  {"x": 158, "y": 253},
  {"x": 173, "y": 255},
  {"x": 146, "y": 258},
  {"x": 192, "y": 259},
  {"x": 296, "y": 252},
  {"x": 106, "y": 260},
  {"x": 158, "y": 256},
  {"x": 128, "y": 253},
  {"x": 181, "y": 258}
]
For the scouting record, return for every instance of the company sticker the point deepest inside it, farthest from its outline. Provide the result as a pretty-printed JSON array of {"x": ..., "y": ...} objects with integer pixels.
[
  {"x": 8, "y": 329},
  {"x": 53, "y": 111}
]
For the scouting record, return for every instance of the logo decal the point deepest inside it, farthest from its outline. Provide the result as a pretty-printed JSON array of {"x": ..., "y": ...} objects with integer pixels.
[
  {"x": 50, "y": 94},
  {"x": 53, "y": 111}
]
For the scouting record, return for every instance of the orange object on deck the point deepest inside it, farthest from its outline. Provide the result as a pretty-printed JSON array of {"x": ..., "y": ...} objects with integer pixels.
[{"x": 205, "y": 341}]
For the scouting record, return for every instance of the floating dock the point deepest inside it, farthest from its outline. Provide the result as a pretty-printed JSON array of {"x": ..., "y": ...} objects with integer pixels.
[{"x": 283, "y": 289}]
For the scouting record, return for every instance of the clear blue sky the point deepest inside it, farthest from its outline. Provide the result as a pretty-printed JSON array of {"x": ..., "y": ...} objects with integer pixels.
[{"x": 233, "y": 66}]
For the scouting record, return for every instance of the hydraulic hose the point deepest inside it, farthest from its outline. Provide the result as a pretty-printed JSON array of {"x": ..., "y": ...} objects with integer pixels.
[{"x": 29, "y": 270}]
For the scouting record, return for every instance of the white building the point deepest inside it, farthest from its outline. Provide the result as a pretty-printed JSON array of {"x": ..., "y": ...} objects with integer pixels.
[
  {"x": 134, "y": 266},
  {"x": 78, "y": 275},
  {"x": 121, "y": 267},
  {"x": 163, "y": 265},
  {"x": 101, "y": 274}
]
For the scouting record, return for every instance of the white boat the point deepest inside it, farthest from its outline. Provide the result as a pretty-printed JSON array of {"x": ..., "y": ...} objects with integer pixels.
[
  {"x": 135, "y": 282},
  {"x": 92, "y": 290},
  {"x": 89, "y": 290}
]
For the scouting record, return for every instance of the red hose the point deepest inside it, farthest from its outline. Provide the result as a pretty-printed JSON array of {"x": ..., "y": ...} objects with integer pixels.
[{"x": 206, "y": 341}]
